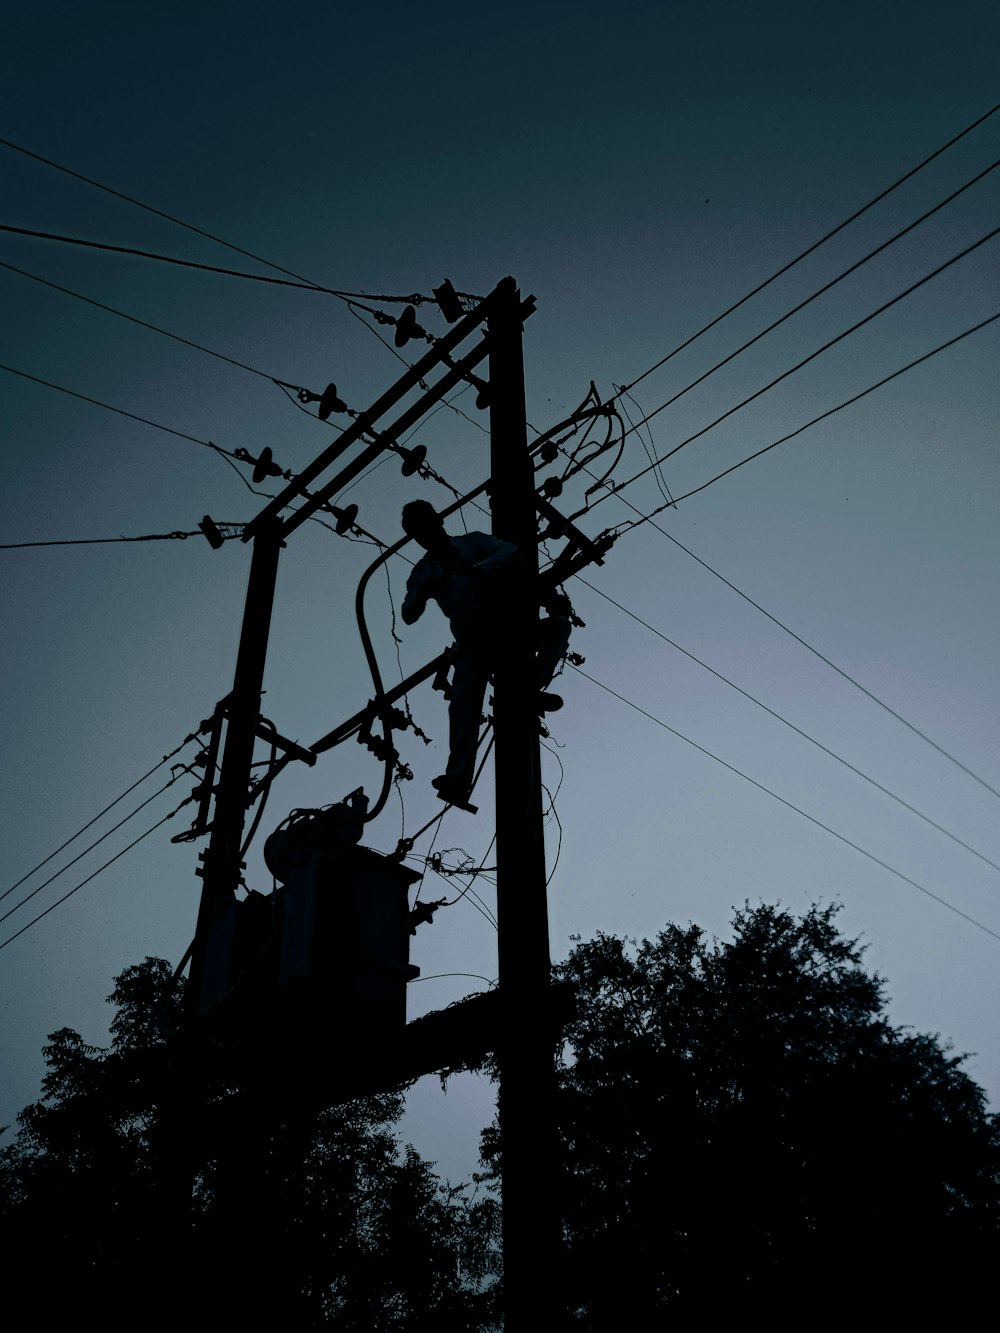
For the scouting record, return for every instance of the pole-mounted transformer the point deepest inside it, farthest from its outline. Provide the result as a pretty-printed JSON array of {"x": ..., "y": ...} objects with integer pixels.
[{"x": 309, "y": 982}]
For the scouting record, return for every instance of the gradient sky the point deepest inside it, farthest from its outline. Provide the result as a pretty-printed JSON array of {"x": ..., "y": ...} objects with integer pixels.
[{"x": 637, "y": 170}]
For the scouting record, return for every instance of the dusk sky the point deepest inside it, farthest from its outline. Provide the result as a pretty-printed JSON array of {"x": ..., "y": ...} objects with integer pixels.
[{"x": 638, "y": 169}]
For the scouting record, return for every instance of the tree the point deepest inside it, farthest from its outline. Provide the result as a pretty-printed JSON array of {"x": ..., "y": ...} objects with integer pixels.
[
  {"x": 745, "y": 1135},
  {"x": 148, "y": 1201}
]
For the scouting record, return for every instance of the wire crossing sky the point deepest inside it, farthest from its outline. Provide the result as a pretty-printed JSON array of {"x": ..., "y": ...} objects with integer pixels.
[{"x": 759, "y": 186}]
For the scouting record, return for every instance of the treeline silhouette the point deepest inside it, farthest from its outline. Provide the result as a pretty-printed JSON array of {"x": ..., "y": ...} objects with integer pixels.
[{"x": 744, "y": 1135}]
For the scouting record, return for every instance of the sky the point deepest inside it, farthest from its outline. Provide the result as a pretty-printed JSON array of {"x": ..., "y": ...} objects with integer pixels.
[{"x": 638, "y": 172}]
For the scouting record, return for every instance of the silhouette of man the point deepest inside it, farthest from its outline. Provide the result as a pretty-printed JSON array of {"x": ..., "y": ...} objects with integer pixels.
[{"x": 465, "y": 575}]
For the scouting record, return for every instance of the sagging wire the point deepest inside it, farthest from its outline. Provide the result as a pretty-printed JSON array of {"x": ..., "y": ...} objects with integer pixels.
[
  {"x": 490, "y": 981},
  {"x": 555, "y": 815},
  {"x": 553, "y": 811},
  {"x": 648, "y": 446}
]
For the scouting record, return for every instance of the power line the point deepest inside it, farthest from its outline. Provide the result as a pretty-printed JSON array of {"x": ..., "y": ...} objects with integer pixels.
[
  {"x": 99, "y": 541},
  {"x": 798, "y": 730},
  {"x": 96, "y": 843},
  {"x": 840, "y": 406},
  {"x": 845, "y": 675},
  {"x": 820, "y": 291},
  {"x": 111, "y": 310},
  {"x": 415, "y": 298},
  {"x": 804, "y": 362},
  {"x": 812, "y": 819},
  {"x": 815, "y": 246},
  {"x": 76, "y": 889},
  {"x": 127, "y": 792},
  {"x": 182, "y": 435},
  {"x": 169, "y": 259}
]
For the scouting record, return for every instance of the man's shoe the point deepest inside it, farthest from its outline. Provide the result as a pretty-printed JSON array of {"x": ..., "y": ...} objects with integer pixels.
[{"x": 452, "y": 794}]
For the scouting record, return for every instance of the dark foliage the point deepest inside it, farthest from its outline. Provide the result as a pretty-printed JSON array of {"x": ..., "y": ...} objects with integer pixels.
[
  {"x": 145, "y": 1202},
  {"x": 745, "y": 1136}
]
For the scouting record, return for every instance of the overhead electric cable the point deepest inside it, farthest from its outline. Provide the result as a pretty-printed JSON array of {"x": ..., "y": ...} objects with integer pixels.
[
  {"x": 182, "y": 435},
  {"x": 414, "y": 298},
  {"x": 169, "y": 259},
  {"x": 76, "y": 889},
  {"x": 100, "y": 815},
  {"x": 799, "y": 364},
  {"x": 845, "y": 675},
  {"x": 798, "y": 730},
  {"x": 840, "y": 406},
  {"x": 820, "y": 291},
  {"x": 80, "y": 855},
  {"x": 154, "y": 328},
  {"x": 812, "y": 819},
  {"x": 102, "y": 541},
  {"x": 815, "y": 246}
]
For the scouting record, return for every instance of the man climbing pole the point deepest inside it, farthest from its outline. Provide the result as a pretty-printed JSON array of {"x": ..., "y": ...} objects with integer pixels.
[{"x": 468, "y": 576}]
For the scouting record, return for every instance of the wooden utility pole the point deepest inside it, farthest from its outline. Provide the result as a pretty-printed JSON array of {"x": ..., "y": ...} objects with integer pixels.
[{"x": 531, "y": 1214}]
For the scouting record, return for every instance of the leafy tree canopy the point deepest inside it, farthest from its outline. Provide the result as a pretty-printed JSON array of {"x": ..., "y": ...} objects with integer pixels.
[
  {"x": 745, "y": 1134},
  {"x": 153, "y": 1204}
]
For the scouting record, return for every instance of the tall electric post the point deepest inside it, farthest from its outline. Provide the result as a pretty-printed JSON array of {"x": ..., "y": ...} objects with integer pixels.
[
  {"x": 222, "y": 862},
  {"x": 531, "y": 1210}
]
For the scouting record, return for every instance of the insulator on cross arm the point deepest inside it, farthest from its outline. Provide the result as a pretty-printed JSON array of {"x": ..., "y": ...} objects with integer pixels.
[
  {"x": 345, "y": 518},
  {"x": 329, "y": 402},
  {"x": 407, "y": 327},
  {"x": 265, "y": 466},
  {"x": 413, "y": 459}
]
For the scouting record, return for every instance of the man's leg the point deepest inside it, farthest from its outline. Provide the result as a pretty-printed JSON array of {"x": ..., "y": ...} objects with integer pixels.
[{"x": 465, "y": 710}]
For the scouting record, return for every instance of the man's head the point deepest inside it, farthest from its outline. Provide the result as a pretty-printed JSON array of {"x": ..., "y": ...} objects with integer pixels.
[{"x": 424, "y": 524}]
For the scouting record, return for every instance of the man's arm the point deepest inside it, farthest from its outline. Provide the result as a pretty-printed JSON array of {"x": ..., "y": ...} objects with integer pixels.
[{"x": 419, "y": 587}]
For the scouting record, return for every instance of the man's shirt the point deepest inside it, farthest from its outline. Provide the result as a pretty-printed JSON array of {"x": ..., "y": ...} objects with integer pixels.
[{"x": 466, "y": 593}]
